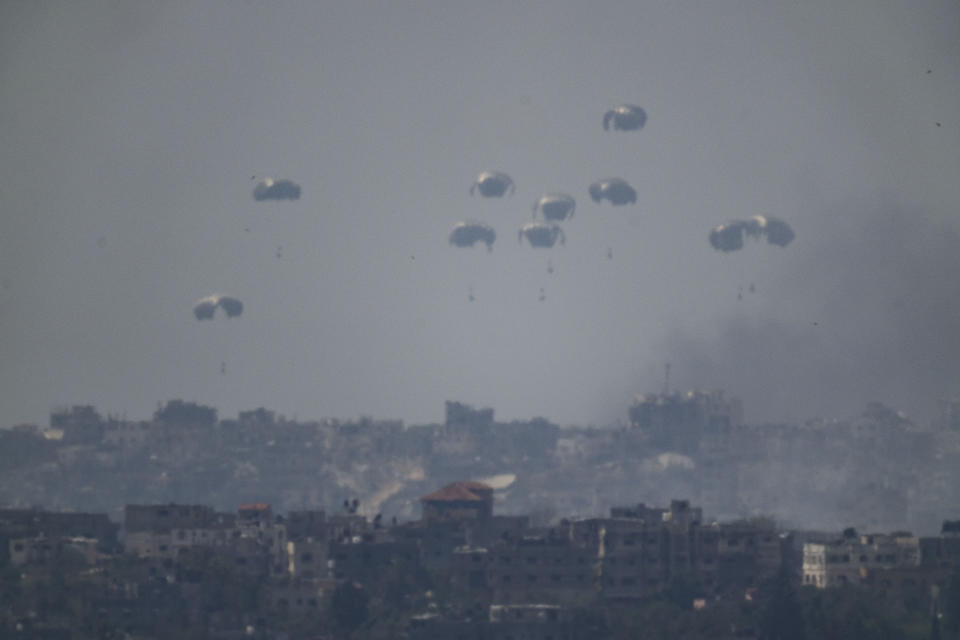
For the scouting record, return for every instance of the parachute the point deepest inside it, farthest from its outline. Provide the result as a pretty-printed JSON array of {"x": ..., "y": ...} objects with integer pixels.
[
  {"x": 626, "y": 117},
  {"x": 231, "y": 306},
  {"x": 729, "y": 237},
  {"x": 270, "y": 189},
  {"x": 541, "y": 234},
  {"x": 206, "y": 308},
  {"x": 617, "y": 190},
  {"x": 555, "y": 207},
  {"x": 493, "y": 184},
  {"x": 779, "y": 232},
  {"x": 467, "y": 234}
]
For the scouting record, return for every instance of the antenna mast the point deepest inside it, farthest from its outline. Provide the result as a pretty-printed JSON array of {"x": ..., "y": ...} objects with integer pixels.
[{"x": 666, "y": 379}]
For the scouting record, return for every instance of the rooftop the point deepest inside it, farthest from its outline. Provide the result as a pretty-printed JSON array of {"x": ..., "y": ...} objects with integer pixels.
[{"x": 459, "y": 492}]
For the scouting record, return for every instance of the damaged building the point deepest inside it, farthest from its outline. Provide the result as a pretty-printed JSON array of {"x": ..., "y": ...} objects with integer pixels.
[{"x": 677, "y": 421}]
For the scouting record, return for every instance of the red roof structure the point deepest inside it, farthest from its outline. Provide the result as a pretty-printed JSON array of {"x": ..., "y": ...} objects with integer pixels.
[{"x": 460, "y": 492}]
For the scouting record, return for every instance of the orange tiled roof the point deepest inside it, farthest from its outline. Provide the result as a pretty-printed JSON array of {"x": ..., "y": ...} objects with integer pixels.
[{"x": 458, "y": 492}]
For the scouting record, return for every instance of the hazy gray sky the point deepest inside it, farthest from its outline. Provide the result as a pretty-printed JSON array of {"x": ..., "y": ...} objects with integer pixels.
[{"x": 129, "y": 133}]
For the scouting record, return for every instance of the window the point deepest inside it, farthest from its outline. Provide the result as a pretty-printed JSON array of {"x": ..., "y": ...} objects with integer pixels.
[
  {"x": 306, "y": 558},
  {"x": 531, "y": 578}
]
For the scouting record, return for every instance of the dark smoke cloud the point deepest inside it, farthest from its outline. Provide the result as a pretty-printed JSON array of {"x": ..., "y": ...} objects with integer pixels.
[{"x": 869, "y": 311}]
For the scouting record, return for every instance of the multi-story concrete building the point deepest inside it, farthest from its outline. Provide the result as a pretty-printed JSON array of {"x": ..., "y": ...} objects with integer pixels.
[
  {"x": 850, "y": 560},
  {"x": 308, "y": 558},
  {"x": 678, "y": 420},
  {"x": 29, "y": 523},
  {"x": 366, "y": 560},
  {"x": 150, "y": 528},
  {"x": 43, "y": 550},
  {"x": 540, "y": 569}
]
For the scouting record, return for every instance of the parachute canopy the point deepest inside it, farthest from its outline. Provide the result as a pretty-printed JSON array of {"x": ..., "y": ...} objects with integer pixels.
[
  {"x": 617, "y": 190},
  {"x": 467, "y": 234},
  {"x": 626, "y": 117},
  {"x": 270, "y": 189},
  {"x": 207, "y": 307},
  {"x": 778, "y": 232},
  {"x": 493, "y": 184},
  {"x": 231, "y": 306},
  {"x": 555, "y": 207},
  {"x": 541, "y": 234},
  {"x": 729, "y": 237}
]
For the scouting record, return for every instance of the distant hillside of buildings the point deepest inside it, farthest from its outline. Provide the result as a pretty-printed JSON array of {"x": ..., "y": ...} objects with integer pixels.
[{"x": 874, "y": 471}]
